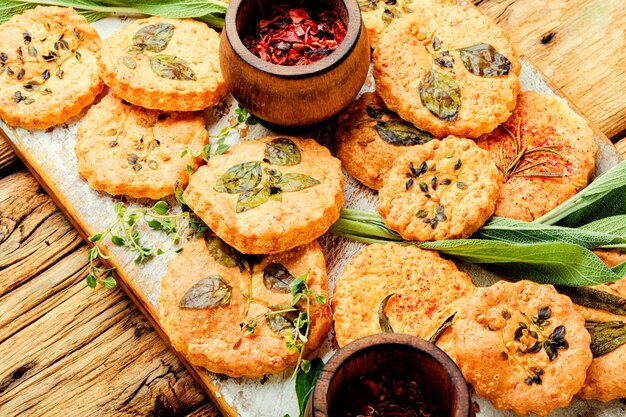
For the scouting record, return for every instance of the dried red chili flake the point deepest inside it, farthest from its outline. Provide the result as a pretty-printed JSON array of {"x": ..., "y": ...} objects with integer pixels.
[{"x": 295, "y": 35}]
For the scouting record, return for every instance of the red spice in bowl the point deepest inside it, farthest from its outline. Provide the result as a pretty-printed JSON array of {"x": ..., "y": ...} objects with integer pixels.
[{"x": 295, "y": 35}]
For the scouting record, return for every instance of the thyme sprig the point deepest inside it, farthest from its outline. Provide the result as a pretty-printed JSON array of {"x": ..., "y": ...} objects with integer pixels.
[{"x": 521, "y": 163}]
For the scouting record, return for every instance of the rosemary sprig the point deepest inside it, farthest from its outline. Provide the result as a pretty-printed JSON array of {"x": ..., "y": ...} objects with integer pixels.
[{"x": 521, "y": 163}]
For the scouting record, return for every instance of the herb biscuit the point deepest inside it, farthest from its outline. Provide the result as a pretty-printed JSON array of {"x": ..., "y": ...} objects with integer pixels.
[
  {"x": 441, "y": 190},
  {"x": 523, "y": 346},
  {"x": 233, "y": 315},
  {"x": 124, "y": 149},
  {"x": 268, "y": 195},
  {"x": 369, "y": 138},
  {"x": 396, "y": 288},
  {"x": 164, "y": 64},
  {"x": 447, "y": 69},
  {"x": 48, "y": 68},
  {"x": 546, "y": 152}
]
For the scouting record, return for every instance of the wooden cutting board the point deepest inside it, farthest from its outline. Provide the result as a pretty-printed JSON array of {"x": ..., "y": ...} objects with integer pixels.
[{"x": 49, "y": 156}]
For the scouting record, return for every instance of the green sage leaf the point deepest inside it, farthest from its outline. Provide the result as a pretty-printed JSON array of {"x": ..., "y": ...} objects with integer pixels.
[
  {"x": 277, "y": 278},
  {"x": 282, "y": 151},
  {"x": 222, "y": 253},
  {"x": 282, "y": 323},
  {"x": 606, "y": 337},
  {"x": 305, "y": 382},
  {"x": 401, "y": 133},
  {"x": 251, "y": 199},
  {"x": 593, "y": 298},
  {"x": 154, "y": 38},
  {"x": 484, "y": 60},
  {"x": 209, "y": 292},
  {"x": 441, "y": 95},
  {"x": 383, "y": 320},
  {"x": 239, "y": 178},
  {"x": 295, "y": 182},
  {"x": 172, "y": 68},
  {"x": 444, "y": 326}
]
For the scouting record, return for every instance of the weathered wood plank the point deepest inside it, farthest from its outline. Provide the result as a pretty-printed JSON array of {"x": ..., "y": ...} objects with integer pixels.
[
  {"x": 579, "y": 45},
  {"x": 7, "y": 156}
]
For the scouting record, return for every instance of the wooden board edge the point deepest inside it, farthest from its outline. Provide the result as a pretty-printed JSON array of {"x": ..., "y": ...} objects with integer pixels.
[{"x": 197, "y": 373}]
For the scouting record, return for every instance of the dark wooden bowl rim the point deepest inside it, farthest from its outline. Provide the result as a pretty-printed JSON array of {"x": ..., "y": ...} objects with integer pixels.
[
  {"x": 300, "y": 71},
  {"x": 343, "y": 355}
]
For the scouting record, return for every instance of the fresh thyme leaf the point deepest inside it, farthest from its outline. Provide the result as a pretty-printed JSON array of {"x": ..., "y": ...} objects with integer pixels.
[
  {"x": 606, "y": 337},
  {"x": 240, "y": 178},
  {"x": 171, "y": 67},
  {"x": 401, "y": 133},
  {"x": 593, "y": 298},
  {"x": 383, "y": 320},
  {"x": 295, "y": 182},
  {"x": 209, "y": 292},
  {"x": 154, "y": 38},
  {"x": 277, "y": 278},
  {"x": 484, "y": 60},
  {"x": 161, "y": 207},
  {"x": 441, "y": 95},
  {"x": 251, "y": 199},
  {"x": 282, "y": 151}
]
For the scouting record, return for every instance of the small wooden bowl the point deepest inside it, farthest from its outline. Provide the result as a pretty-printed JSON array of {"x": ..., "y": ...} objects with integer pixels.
[
  {"x": 439, "y": 377},
  {"x": 294, "y": 95}
]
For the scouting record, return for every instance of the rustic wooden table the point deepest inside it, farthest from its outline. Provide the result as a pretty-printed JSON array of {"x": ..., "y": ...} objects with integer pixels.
[{"x": 69, "y": 350}]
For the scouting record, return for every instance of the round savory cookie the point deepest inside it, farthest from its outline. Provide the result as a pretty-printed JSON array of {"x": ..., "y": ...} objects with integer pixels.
[
  {"x": 268, "y": 195},
  {"x": 547, "y": 153},
  {"x": 164, "y": 64},
  {"x": 369, "y": 138},
  {"x": 210, "y": 316},
  {"x": 447, "y": 69},
  {"x": 412, "y": 288},
  {"x": 522, "y": 346},
  {"x": 441, "y": 190},
  {"x": 124, "y": 149},
  {"x": 48, "y": 67}
]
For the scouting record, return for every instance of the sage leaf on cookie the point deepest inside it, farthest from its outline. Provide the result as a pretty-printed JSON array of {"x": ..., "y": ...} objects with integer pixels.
[
  {"x": 593, "y": 298},
  {"x": 444, "y": 326},
  {"x": 282, "y": 322},
  {"x": 222, "y": 253},
  {"x": 383, "y": 320},
  {"x": 401, "y": 133},
  {"x": 239, "y": 178},
  {"x": 277, "y": 278},
  {"x": 441, "y": 95},
  {"x": 282, "y": 151},
  {"x": 251, "y": 199},
  {"x": 171, "y": 67},
  {"x": 295, "y": 182},
  {"x": 209, "y": 292},
  {"x": 484, "y": 60},
  {"x": 154, "y": 38},
  {"x": 606, "y": 337}
]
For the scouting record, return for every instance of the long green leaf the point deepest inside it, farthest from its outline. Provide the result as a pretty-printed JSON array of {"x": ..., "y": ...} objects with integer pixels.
[{"x": 305, "y": 382}]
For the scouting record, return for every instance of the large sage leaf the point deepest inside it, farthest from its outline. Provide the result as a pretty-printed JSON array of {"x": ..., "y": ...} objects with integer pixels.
[
  {"x": 401, "y": 133},
  {"x": 251, "y": 199},
  {"x": 305, "y": 382},
  {"x": 154, "y": 38},
  {"x": 441, "y": 95},
  {"x": 483, "y": 60},
  {"x": 282, "y": 151},
  {"x": 606, "y": 337},
  {"x": 171, "y": 67},
  {"x": 209, "y": 292},
  {"x": 239, "y": 178},
  {"x": 295, "y": 182},
  {"x": 221, "y": 251},
  {"x": 592, "y": 298},
  {"x": 277, "y": 278},
  {"x": 383, "y": 320}
]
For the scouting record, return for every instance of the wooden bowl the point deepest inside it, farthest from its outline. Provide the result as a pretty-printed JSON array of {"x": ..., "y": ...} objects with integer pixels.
[
  {"x": 439, "y": 377},
  {"x": 294, "y": 95}
]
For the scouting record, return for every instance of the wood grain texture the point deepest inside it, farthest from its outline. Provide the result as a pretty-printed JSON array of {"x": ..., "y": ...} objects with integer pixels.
[
  {"x": 579, "y": 45},
  {"x": 62, "y": 344}
]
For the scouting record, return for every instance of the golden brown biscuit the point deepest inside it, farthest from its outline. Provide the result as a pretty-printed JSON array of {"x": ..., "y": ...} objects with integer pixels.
[
  {"x": 441, "y": 190},
  {"x": 128, "y": 150},
  {"x": 369, "y": 138},
  {"x": 557, "y": 150},
  {"x": 268, "y": 195},
  {"x": 426, "y": 291},
  {"x": 523, "y": 346},
  {"x": 164, "y": 64},
  {"x": 211, "y": 334},
  {"x": 48, "y": 68},
  {"x": 438, "y": 69}
]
